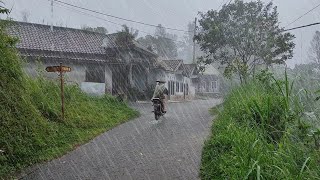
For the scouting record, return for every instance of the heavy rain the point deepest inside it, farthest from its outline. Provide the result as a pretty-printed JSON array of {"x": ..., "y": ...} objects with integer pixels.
[{"x": 147, "y": 89}]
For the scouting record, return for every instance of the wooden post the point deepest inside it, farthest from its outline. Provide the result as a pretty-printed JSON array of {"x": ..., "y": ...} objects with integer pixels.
[
  {"x": 62, "y": 91},
  {"x": 60, "y": 69}
]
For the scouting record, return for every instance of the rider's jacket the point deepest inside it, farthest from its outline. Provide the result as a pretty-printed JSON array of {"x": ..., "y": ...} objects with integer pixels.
[{"x": 159, "y": 91}]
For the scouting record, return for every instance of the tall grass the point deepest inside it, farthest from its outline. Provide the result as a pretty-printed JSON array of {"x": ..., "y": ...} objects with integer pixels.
[{"x": 259, "y": 134}]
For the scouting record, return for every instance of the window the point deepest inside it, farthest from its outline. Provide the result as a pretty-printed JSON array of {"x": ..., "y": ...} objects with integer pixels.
[
  {"x": 171, "y": 87},
  {"x": 214, "y": 85},
  {"x": 187, "y": 89},
  {"x": 181, "y": 87},
  {"x": 177, "y": 87},
  {"x": 95, "y": 74}
]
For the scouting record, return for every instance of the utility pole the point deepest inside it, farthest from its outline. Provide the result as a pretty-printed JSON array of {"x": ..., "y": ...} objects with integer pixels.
[
  {"x": 51, "y": 27},
  {"x": 194, "y": 42}
]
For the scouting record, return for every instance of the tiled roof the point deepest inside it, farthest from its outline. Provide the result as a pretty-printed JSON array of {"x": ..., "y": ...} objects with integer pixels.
[
  {"x": 172, "y": 65},
  {"x": 40, "y": 37},
  {"x": 157, "y": 63},
  {"x": 189, "y": 68}
]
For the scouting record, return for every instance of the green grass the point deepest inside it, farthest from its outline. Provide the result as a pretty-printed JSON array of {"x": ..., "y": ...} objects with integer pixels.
[
  {"x": 86, "y": 117},
  {"x": 31, "y": 127},
  {"x": 258, "y": 134}
]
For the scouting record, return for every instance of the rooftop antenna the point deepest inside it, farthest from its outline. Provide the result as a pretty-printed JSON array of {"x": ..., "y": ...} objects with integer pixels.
[{"x": 51, "y": 27}]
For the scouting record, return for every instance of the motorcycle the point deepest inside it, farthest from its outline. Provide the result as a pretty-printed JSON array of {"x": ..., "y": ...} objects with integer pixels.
[{"x": 157, "y": 108}]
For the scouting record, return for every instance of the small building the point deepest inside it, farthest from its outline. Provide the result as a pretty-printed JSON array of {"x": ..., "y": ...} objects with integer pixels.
[
  {"x": 100, "y": 63},
  {"x": 208, "y": 82},
  {"x": 178, "y": 77}
]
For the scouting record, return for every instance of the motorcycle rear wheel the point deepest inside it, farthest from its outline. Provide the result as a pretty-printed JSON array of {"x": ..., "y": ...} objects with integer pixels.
[{"x": 156, "y": 116}]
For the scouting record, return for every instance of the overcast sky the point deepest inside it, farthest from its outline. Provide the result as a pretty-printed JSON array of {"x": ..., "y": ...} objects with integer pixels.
[{"x": 170, "y": 13}]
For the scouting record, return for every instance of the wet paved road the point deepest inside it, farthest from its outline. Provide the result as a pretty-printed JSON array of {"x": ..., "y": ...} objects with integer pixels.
[{"x": 140, "y": 149}]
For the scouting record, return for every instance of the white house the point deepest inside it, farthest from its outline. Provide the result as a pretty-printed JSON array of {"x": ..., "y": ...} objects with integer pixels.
[
  {"x": 178, "y": 77},
  {"x": 100, "y": 63},
  {"x": 209, "y": 82}
]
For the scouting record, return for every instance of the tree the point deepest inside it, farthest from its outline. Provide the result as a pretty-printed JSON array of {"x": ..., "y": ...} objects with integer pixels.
[
  {"x": 127, "y": 35},
  {"x": 186, "y": 46},
  {"x": 315, "y": 48},
  {"x": 3, "y": 10},
  {"x": 101, "y": 30},
  {"x": 148, "y": 41},
  {"x": 165, "y": 44},
  {"x": 162, "y": 43},
  {"x": 242, "y": 36}
]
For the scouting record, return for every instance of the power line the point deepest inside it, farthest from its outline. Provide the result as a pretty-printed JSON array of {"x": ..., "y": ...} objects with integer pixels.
[
  {"x": 303, "y": 15},
  {"x": 299, "y": 27},
  {"x": 116, "y": 17},
  {"x": 84, "y": 13}
]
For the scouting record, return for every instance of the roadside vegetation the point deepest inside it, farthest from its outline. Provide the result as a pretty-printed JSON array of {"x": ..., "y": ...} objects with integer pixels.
[
  {"x": 262, "y": 132},
  {"x": 268, "y": 126},
  {"x": 31, "y": 127}
]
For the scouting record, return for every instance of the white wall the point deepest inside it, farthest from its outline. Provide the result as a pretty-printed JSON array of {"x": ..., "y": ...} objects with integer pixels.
[
  {"x": 76, "y": 76},
  {"x": 93, "y": 88}
]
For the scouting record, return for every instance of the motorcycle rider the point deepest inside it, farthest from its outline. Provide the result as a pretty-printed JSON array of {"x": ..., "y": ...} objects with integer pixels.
[{"x": 159, "y": 92}]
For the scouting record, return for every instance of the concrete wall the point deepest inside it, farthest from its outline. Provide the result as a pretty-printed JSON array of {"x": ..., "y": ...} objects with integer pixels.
[
  {"x": 93, "y": 88},
  {"x": 76, "y": 76}
]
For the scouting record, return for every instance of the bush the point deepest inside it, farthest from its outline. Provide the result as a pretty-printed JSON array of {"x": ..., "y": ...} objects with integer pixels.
[{"x": 257, "y": 136}]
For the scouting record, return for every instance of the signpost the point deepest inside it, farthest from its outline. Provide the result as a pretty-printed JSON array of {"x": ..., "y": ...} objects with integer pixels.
[{"x": 61, "y": 69}]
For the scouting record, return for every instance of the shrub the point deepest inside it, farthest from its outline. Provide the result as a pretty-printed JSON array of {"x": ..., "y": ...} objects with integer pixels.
[{"x": 257, "y": 136}]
